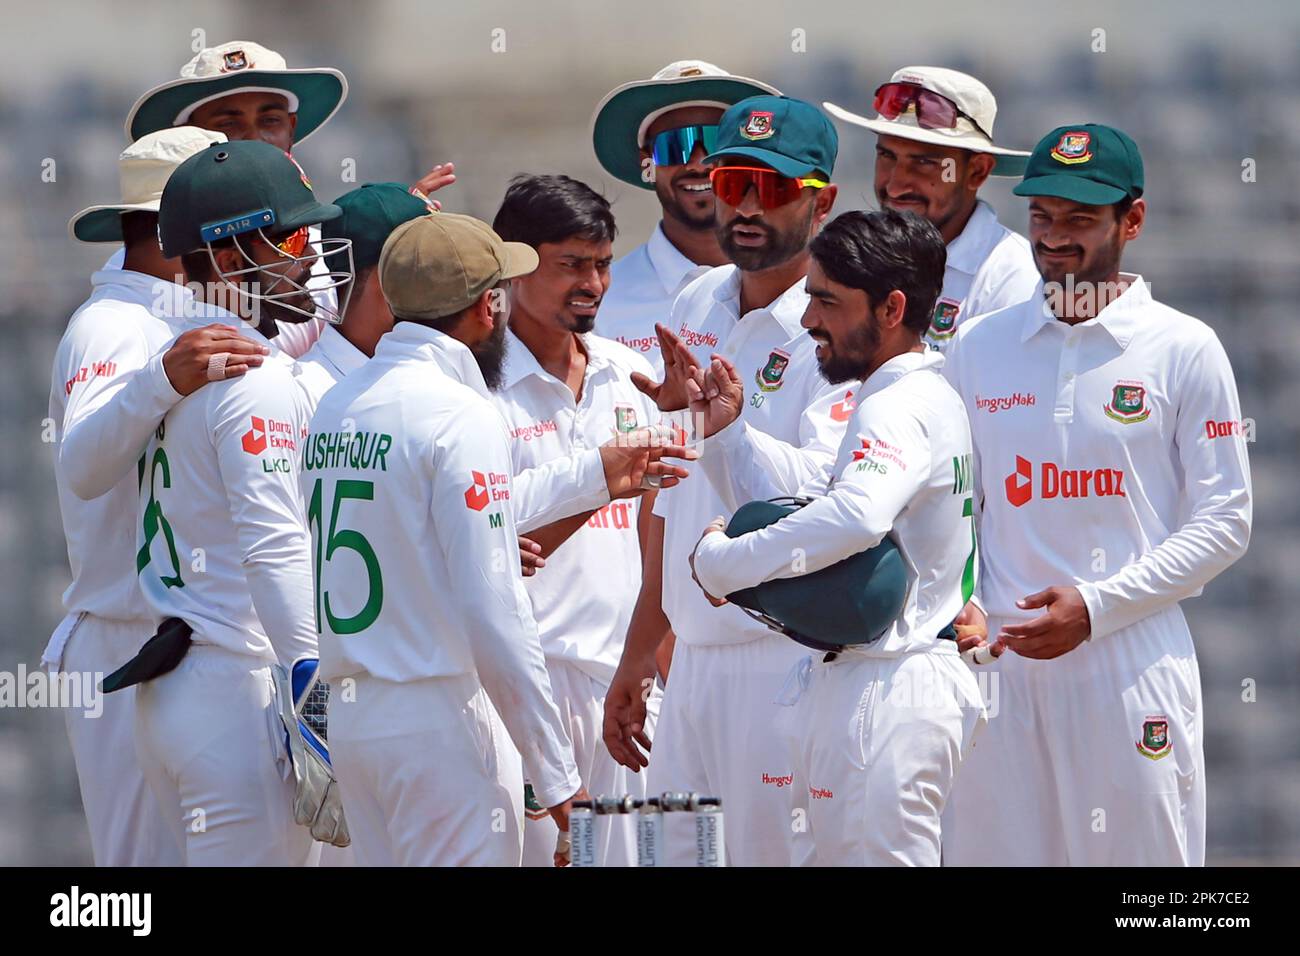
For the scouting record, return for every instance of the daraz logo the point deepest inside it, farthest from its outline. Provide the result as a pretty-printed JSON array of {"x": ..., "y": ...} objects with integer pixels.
[
  {"x": 254, "y": 439},
  {"x": 476, "y": 495},
  {"x": 1058, "y": 482}
]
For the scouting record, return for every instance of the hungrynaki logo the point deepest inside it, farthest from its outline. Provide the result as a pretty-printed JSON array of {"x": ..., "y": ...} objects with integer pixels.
[
  {"x": 254, "y": 439},
  {"x": 1057, "y": 482}
]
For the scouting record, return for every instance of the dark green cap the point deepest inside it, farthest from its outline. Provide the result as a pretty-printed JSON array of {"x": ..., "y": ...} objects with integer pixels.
[
  {"x": 233, "y": 188},
  {"x": 370, "y": 214},
  {"x": 1091, "y": 164},
  {"x": 793, "y": 137}
]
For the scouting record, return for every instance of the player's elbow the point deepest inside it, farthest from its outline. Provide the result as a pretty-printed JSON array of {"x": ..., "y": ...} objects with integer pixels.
[{"x": 86, "y": 483}]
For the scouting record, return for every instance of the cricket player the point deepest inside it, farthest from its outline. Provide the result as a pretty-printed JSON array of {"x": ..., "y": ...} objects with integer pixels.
[
  {"x": 1114, "y": 482},
  {"x": 421, "y": 605},
  {"x": 654, "y": 134},
  {"x": 878, "y": 730},
  {"x": 113, "y": 379},
  {"x": 247, "y": 92},
  {"x": 566, "y": 389},
  {"x": 771, "y": 183},
  {"x": 224, "y": 550},
  {"x": 933, "y": 153}
]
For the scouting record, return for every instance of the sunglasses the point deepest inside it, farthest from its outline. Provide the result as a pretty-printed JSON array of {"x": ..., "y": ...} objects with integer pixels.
[
  {"x": 933, "y": 110},
  {"x": 673, "y": 147},
  {"x": 731, "y": 183},
  {"x": 294, "y": 243}
]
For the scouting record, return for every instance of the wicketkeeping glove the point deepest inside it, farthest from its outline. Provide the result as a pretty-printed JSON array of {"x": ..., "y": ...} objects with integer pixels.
[{"x": 317, "y": 803}]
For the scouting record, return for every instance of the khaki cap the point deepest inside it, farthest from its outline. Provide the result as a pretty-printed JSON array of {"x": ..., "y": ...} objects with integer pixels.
[{"x": 436, "y": 266}]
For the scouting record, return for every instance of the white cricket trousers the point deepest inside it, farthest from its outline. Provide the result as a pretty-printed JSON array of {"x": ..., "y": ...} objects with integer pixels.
[
  {"x": 875, "y": 744},
  {"x": 126, "y": 826},
  {"x": 428, "y": 774},
  {"x": 1094, "y": 758},
  {"x": 211, "y": 744},
  {"x": 717, "y": 736},
  {"x": 581, "y": 700}
]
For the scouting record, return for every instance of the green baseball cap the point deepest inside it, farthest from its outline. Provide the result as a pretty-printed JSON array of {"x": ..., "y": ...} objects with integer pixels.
[
  {"x": 370, "y": 214},
  {"x": 869, "y": 589},
  {"x": 793, "y": 137},
  {"x": 434, "y": 266},
  {"x": 233, "y": 188},
  {"x": 1091, "y": 164}
]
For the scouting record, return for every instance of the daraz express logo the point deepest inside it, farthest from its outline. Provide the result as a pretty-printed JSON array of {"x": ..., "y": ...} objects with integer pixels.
[
  {"x": 268, "y": 433},
  {"x": 1057, "y": 482},
  {"x": 486, "y": 488}
]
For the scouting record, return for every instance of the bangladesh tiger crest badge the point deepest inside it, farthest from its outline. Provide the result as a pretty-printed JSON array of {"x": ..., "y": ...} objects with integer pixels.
[
  {"x": 1128, "y": 403},
  {"x": 1073, "y": 147},
  {"x": 769, "y": 376},
  {"x": 943, "y": 324},
  {"x": 758, "y": 126},
  {"x": 624, "y": 418},
  {"x": 1155, "y": 742}
]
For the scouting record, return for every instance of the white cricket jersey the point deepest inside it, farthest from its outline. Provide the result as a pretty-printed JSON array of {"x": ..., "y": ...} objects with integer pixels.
[
  {"x": 904, "y": 470},
  {"x": 108, "y": 393},
  {"x": 989, "y": 267},
  {"x": 1110, "y": 455},
  {"x": 583, "y": 598},
  {"x": 325, "y": 363},
  {"x": 407, "y": 475},
  {"x": 295, "y": 338},
  {"x": 223, "y": 541},
  {"x": 792, "y": 419},
  {"x": 642, "y": 287}
]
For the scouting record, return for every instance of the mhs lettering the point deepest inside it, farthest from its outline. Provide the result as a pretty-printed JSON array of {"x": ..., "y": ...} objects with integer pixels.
[{"x": 1057, "y": 482}]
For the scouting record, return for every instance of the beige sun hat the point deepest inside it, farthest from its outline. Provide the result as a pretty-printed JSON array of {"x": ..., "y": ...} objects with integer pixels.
[
  {"x": 142, "y": 170},
  {"x": 974, "y": 131},
  {"x": 240, "y": 66}
]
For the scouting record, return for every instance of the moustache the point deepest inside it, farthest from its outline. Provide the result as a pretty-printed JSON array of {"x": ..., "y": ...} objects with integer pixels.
[{"x": 1041, "y": 250}]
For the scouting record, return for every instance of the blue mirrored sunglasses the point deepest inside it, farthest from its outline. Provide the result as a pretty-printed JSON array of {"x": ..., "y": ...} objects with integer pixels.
[{"x": 673, "y": 147}]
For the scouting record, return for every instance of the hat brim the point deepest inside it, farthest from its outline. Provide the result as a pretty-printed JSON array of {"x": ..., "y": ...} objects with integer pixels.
[
  {"x": 308, "y": 214},
  {"x": 320, "y": 93},
  {"x": 521, "y": 259},
  {"x": 1074, "y": 188},
  {"x": 782, "y": 164},
  {"x": 618, "y": 117},
  {"x": 1007, "y": 162},
  {"x": 104, "y": 223}
]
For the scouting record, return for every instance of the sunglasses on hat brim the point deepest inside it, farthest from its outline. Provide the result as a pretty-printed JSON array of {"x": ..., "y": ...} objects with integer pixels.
[
  {"x": 933, "y": 110},
  {"x": 732, "y": 183},
  {"x": 674, "y": 147}
]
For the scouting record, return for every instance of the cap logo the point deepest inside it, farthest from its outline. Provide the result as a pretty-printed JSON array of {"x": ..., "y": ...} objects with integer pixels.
[
  {"x": 758, "y": 126},
  {"x": 1073, "y": 148},
  {"x": 691, "y": 71},
  {"x": 301, "y": 173},
  {"x": 234, "y": 60}
]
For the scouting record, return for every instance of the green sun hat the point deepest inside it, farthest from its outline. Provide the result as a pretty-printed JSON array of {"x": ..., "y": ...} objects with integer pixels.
[
  {"x": 314, "y": 94},
  {"x": 1089, "y": 163},
  {"x": 793, "y": 137},
  {"x": 621, "y": 119},
  {"x": 234, "y": 188},
  {"x": 370, "y": 214}
]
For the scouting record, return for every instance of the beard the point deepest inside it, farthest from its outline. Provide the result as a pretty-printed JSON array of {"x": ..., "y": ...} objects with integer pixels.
[
  {"x": 849, "y": 359},
  {"x": 490, "y": 354},
  {"x": 1095, "y": 267},
  {"x": 673, "y": 207},
  {"x": 780, "y": 246},
  {"x": 581, "y": 324}
]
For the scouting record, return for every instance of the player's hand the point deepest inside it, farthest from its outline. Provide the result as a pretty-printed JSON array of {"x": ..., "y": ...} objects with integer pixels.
[
  {"x": 625, "y": 710},
  {"x": 669, "y": 395},
  {"x": 530, "y": 556},
  {"x": 716, "y": 395},
  {"x": 972, "y": 636},
  {"x": 186, "y": 362},
  {"x": 560, "y": 814},
  {"x": 444, "y": 174},
  {"x": 631, "y": 457},
  {"x": 1063, "y": 627},
  {"x": 717, "y": 526}
]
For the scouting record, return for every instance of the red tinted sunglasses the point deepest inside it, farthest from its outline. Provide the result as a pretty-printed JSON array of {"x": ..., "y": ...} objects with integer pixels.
[
  {"x": 933, "y": 110},
  {"x": 294, "y": 243},
  {"x": 731, "y": 183}
]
